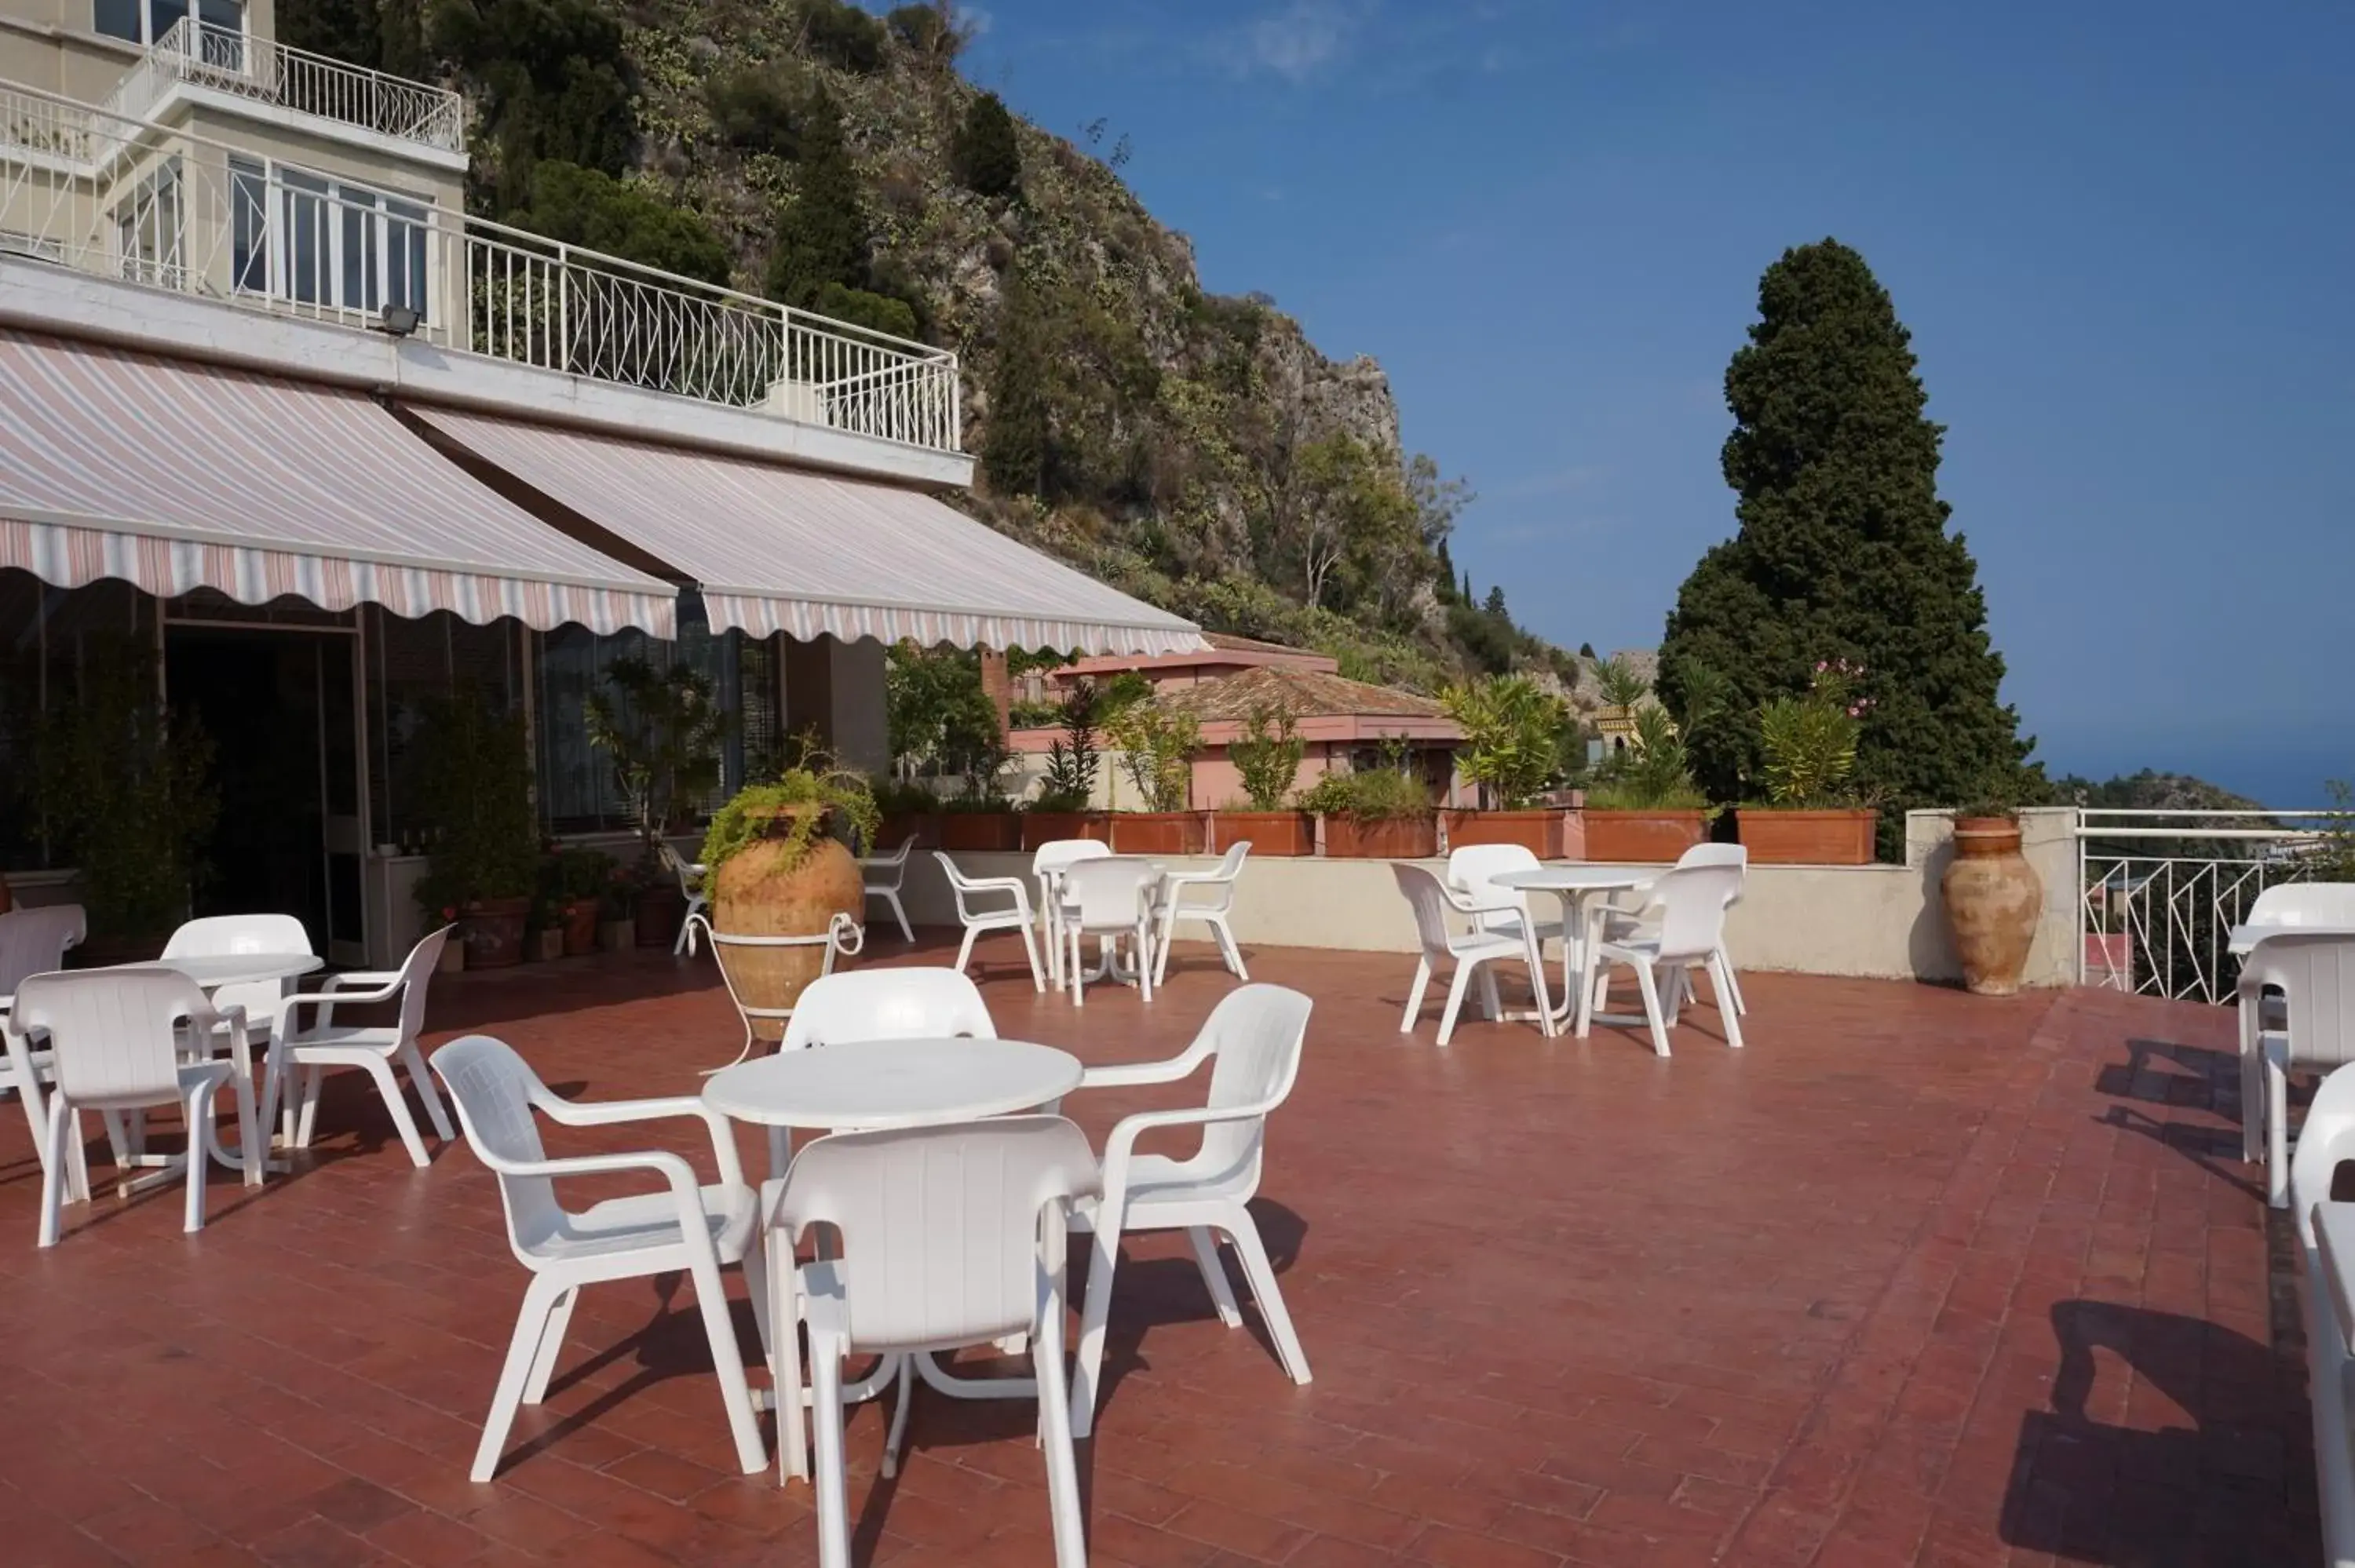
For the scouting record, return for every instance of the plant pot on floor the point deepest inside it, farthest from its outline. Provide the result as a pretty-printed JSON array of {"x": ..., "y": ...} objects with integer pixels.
[
  {"x": 545, "y": 945},
  {"x": 1993, "y": 899},
  {"x": 1643, "y": 836},
  {"x": 1391, "y": 838},
  {"x": 660, "y": 909},
  {"x": 1539, "y": 832},
  {"x": 492, "y": 930},
  {"x": 452, "y": 960},
  {"x": 981, "y": 832},
  {"x": 617, "y": 936},
  {"x": 1268, "y": 832},
  {"x": 1158, "y": 832},
  {"x": 771, "y": 888},
  {"x": 1054, "y": 827},
  {"x": 1806, "y": 837},
  {"x": 580, "y": 927}
]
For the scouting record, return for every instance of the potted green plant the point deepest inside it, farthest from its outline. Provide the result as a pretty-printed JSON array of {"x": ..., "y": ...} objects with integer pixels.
[
  {"x": 1267, "y": 759},
  {"x": 576, "y": 880},
  {"x": 1512, "y": 753},
  {"x": 617, "y": 910},
  {"x": 1807, "y": 744},
  {"x": 544, "y": 932},
  {"x": 485, "y": 861},
  {"x": 1156, "y": 746},
  {"x": 125, "y": 790},
  {"x": 664, "y": 733},
  {"x": 1063, "y": 806},
  {"x": 1644, "y": 807},
  {"x": 909, "y": 811},
  {"x": 1383, "y": 812}
]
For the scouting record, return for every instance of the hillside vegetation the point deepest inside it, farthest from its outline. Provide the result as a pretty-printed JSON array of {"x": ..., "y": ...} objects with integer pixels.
[{"x": 1192, "y": 449}]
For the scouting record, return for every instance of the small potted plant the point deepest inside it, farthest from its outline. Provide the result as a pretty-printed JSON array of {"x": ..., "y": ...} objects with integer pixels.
[
  {"x": 1383, "y": 812},
  {"x": 1644, "y": 807},
  {"x": 1062, "y": 808},
  {"x": 1809, "y": 745},
  {"x": 617, "y": 911},
  {"x": 1267, "y": 757},
  {"x": 664, "y": 733},
  {"x": 909, "y": 811},
  {"x": 1512, "y": 752},
  {"x": 485, "y": 854},
  {"x": 581, "y": 877},
  {"x": 544, "y": 934},
  {"x": 1156, "y": 746}
]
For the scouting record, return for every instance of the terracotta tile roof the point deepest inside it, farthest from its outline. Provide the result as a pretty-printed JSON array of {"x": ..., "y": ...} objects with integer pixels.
[
  {"x": 1233, "y": 644},
  {"x": 1307, "y": 692}
]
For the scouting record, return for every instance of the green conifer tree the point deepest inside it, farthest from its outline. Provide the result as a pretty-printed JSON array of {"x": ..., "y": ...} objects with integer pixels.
[
  {"x": 986, "y": 153},
  {"x": 822, "y": 235}
]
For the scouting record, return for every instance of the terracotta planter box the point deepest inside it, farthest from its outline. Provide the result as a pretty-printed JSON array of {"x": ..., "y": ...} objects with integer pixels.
[
  {"x": 1647, "y": 836},
  {"x": 492, "y": 930},
  {"x": 1046, "y": 827},
  {"x": 981, "y": 831},
  {"x": 924, "y": 827},
  {"x": 1401, "y": 838},
  {"x": 580, "y": 927},
  {"x": 1268, "y": 832},
  {"x": 1158, "y": 832},
  {"x": 660, "y": 910},
  {"x": 1540, "y": 831},
  {"x": 1806, "y": 837}
]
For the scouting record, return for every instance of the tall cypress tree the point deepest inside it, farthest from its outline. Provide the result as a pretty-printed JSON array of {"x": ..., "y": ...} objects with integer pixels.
[
  {"x": 822, "y": 236},
  {"x": 1843, "y": 552}
]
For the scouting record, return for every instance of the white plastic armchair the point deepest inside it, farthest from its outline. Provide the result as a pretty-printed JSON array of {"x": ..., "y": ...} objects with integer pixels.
[
  {"x": 1438, "y": 909},
  {"x": 2325, "y": 1142},
  {"x": 214, "y": 935},
  {"x": 1108, "y": 898},
  {"x": 115, "y": 1037},
  {"x": 1641, "y": 917},
  {"x": 951, "y": 1236},
  {"x": 844, "y": 938},
  {"x": 688, "y": 1227},
  {"x": 2315, "y": 973},
  {"x": 1472, "y": 870},
  {"x": 1048, "y": 863},
  {"x": 373, "y": 1049},
  {"x": 1171, "y": 907},
  {"x": 977, "y": 916},
  {"x": 33, "y": 942},
  {"x": 1690, "y": 904},
  {"x": 2298, "y": 906},
  {"x": 884, "y": 874},
  {"x": 887, "y": 1005},
  {"x": 1252, "y": 1040},
  {"x": 690, "y": 875}
]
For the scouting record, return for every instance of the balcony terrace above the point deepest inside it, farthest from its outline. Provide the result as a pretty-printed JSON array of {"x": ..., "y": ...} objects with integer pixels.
[{"x": 228, "y": 61}]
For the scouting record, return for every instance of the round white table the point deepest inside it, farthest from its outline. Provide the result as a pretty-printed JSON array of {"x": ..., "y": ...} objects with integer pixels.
[
  {"x": 871, "y": 1086},
  {"x": 1580, "y": 887}
]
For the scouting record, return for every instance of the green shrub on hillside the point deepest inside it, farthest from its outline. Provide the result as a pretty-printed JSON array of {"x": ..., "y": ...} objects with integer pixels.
[
  {"x": 986, "y": 153},
  {"x": 842, "y": 34},
  {"x": 581, "y": 206},
  {"x": 754, "y": 110}
]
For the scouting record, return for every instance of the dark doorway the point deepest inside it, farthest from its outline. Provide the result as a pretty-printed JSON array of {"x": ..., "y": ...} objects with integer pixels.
[{"x": 279, "y": 707}]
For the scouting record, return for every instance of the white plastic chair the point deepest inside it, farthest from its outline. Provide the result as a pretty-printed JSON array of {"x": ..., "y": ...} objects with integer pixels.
[
  {"x": 1437, "y": 909},
  {"x": 374, "y": 1049},
  {"x": 1690, "y": 904},
  {"x": 844, "y": 938},
  {"x": 884, "y": 874},
  {"x": 976, "y": 918},
  {"x": 33, "y": 942},
  {"x": 1472, "y": 870},
  {"x": 951, "y": 1236},
  {"x": 1106, "y": 897},
  {"x": 1048, "y": 863},
  {"x": 1170, "y": 906},
  {"x": 115, "y": 1038},
  {"x": 2325, "y": 1142},
  {"x": 214, "y": 935},
  {"x": 2299, "y": 905},
  {"x": 689, "y": 1228},
  {"x": 690, "y": 875},
  {"x": 1639, "y": 917},
  {"x": 887, "y": 1005},
  {"x": 1252, "y": 1042},
  {"x": 2315, "y": 972}
]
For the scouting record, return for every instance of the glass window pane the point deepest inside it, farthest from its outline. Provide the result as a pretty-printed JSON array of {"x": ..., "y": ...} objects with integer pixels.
[
  {"x": 116, "y": 18},
  {"x": 162, "y": 16},
  {"x": 249, "y": 227}
]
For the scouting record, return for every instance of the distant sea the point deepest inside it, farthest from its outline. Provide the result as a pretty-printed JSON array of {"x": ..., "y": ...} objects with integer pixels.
[{"x": 2284, "y": 778}]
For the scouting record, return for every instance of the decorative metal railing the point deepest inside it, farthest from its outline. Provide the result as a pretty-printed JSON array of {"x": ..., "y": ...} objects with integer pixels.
[
  {"x": 2161, "y": 891},
  {"x": 111, "y": 194},
  {"x": 226, "y": 59}
]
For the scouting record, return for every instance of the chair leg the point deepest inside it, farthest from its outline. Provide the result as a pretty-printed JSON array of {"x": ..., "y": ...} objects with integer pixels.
[
  {"x": 1535, "y": 958},
  {"x": 785, "y": 1362},
  {"x": 826, "y": 1416},
  {"x": 1055, "y": 1438},
  {"x": 895, "y": 1440},
  {"x": 1030, "y": 951},
  {"x": 64, "y": 1126},
  {"x": 552, "y": 1345},
  {"x": 2253, "y": 1087},
  {"x": 1072, "y": 968},
  {"x": 1728, "y": 1012},
  {"x": 1245, "y": 1231},
  {"x": 899, "y": 913},
  {"x": 197, "y": 1108},
  {"x": 1228, "y": 947},
  {"x": 1732, "y": 980},
  {"x": 1145, "y": 956},
  {"x": 397, "y": 1104},
  {"x": 1492, "y": 1006},
  {"x": 1649, "y": 983},
  {"x": 1214, "y": 1274},
  {"x": 965, "y": 948},
  {"x": 1415, "y": 994},
  {"x": 1087, "y": 1366},
  {"x": 523, "y": 1349},
  {"x": 414, "y": 1060},
  {"x": 1168, "y": 934},
  {"x": 2277, "y": 1120},
  {"x": 1456, "y": 985},
  {"x": 307, "y": 1119},
  {"x": 735, "y": 1392}
]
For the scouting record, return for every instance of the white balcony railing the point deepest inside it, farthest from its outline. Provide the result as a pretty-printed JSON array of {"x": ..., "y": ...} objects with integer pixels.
[
  {"x": 2161, "y": 891},
  {"x": 108, "y": 195},
  {"x": 228, "y": 61}
]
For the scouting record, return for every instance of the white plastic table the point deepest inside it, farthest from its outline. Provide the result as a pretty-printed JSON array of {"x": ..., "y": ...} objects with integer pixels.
[
  {"x": 1581, "y": 887},
  {"x": 876, "y": 1084},
  {"x": 2244, "y": 939}
]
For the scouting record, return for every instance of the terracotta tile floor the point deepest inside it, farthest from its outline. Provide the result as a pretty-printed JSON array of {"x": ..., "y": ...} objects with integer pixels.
[{"x": 1917, "y": 1279}]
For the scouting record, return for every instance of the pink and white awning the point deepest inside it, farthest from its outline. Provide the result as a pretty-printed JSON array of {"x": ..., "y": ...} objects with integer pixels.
[
  {"x": 176, "y": 476},
  {"x": 784, "y": 549}
]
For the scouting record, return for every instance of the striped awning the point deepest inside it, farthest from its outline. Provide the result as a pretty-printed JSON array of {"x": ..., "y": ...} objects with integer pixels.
[
  {"x": 176, "y": 476},
  {"x": 784, "y": 549}
]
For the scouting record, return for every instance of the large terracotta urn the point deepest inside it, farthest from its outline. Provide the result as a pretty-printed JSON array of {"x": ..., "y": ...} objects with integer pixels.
[
  {"x": 1993, "y": 898},
  {"x": 771, "y": 888}
]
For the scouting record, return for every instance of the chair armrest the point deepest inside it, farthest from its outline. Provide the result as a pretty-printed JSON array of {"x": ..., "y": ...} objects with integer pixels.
[
  {"x": 1124, "y": 1073},
  {"x": 674, "y": 1170},
  {"x": 1121, "y": 1147},
  {"x": 607, "y": 1113},
  {"x": 360, "y": 976}
]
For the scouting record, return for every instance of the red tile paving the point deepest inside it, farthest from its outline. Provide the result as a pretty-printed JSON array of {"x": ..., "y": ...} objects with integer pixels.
[{"x": 1917, "y": 1279}]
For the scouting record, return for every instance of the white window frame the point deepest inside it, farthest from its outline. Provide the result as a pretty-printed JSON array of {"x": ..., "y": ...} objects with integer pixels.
[
  {"x": 146, "y": 13},
  {"x": 327, "y": 200}
]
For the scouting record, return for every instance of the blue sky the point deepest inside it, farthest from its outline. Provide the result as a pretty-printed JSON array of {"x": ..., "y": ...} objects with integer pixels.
[{"x": 2122, "y": 235}]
